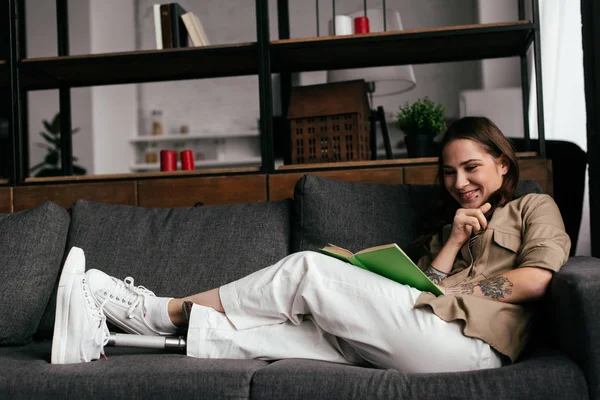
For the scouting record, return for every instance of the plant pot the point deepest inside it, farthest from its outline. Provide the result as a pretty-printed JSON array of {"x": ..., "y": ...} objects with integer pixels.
[{"x": 420, "y": 146}]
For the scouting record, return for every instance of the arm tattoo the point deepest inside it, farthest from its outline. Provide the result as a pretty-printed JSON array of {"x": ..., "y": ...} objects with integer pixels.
[
  {"x": 435, "y": 275},
  {"x": 495, "y": 288}
]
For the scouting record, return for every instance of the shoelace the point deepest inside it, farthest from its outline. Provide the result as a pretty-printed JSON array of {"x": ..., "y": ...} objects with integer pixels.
[
  {"x": 102, "y": 334},
  {"x": 126, "y": 292}
]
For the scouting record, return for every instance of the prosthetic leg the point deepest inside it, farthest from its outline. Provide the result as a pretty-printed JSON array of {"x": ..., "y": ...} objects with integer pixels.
[{"x": 176, "y": 343}]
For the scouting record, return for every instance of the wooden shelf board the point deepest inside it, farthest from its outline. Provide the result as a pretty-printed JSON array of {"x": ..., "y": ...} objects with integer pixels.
[
  {"x": 197, "y": 172},
  {"x": 456, "y": 43},
  {"x": 140, "y": 66},
  {"x": 203, "y": 164},
  {"x": 376, "y": 163},
  {"x": 192, "y": 136}
]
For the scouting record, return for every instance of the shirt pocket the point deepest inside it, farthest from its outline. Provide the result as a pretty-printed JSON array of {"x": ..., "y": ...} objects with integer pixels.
[
  {"x": 508, "y": 241},
  {"x": 503, "y": 251}
]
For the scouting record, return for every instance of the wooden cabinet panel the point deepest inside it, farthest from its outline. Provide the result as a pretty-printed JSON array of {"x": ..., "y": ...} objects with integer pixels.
[
  {"x": 6, "y": 201},
  {"x": 186, "y": 192},
  {"x": 539, "y": 170},
  {"x": 281, "y": 186},
  {"x": 421, "y": 174},
  {"x": 65, "y": 195}
]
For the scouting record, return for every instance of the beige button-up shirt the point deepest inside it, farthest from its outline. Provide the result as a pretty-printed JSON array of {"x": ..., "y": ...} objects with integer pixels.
[{"x": 526, "y": 232}]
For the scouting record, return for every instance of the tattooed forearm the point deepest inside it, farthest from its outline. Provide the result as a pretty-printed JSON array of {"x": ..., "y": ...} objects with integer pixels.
[
  {"x": 467, "y": 288},
  {"x": 435, "y": 275},
  {"x": 496, "y": 288}
]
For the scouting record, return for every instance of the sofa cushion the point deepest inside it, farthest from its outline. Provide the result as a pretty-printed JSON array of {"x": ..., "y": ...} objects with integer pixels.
[
  {"x": 179, "y": 251},
  {"x": 544, "y": 376},
  {"x": 32, "y": 244},
  {"x": 129, "y": 373},
  {"x": 357, "y": 215}
]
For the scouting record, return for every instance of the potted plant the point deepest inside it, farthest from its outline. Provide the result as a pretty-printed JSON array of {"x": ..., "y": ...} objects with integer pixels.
[
  {"x": 421, "y": 122},
  {"x": 51, "y": 164}
]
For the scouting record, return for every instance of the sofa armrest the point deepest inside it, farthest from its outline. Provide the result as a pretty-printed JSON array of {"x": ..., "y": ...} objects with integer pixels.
[{"x": 574, "y": 316}]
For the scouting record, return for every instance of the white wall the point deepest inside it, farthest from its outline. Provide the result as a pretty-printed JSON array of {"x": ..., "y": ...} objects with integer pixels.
[
  {"x": 41, "y": 42},
  {"x": 114, "y": 108},
  {"x": 504, "y": 72}
]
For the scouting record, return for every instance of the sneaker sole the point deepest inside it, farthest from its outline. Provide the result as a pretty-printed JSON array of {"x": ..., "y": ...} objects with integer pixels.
[{"x": 65, "y": 287}]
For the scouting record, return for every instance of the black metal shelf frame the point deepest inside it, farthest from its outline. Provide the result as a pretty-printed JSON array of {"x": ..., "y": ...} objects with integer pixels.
[{"x": 269, "y": 58}]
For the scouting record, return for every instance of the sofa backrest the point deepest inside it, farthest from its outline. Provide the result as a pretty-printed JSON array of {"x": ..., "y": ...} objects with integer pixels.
[
  {"x": 32, "y": 244},
  {"x": 359, "y": 215},
  {"x": 177, "y": 251}
]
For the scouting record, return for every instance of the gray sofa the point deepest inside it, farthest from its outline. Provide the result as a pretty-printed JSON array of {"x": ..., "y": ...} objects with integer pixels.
[{"x": 176, "y": 252}]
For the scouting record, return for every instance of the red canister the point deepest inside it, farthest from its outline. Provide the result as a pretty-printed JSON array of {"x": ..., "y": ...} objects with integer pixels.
[
  {"x": 361, "y": 25},
  {"x": 187, "y": 160},
  {"x": 168, "y": 160}
]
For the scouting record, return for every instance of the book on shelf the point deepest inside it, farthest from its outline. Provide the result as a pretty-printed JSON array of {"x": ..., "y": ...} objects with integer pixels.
[
  {"x": 195, "y": 29},
  {"x": 157, "y": 27},
  {"x": 173, "y": 31},
  {"x": 389, "y": 261}
]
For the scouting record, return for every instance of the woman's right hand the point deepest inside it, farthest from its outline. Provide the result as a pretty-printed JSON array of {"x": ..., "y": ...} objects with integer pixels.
[{"x": 467, "y": 221}]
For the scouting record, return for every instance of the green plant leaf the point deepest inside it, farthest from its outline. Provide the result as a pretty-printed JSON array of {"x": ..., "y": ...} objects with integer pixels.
[
  {"x": 44, "y": 146},
  {"x": 47, "y": 125},
  {"x": 56, "y": 123},
  {"x": 49, "y": 172},
  {"x": 37, "y": 166},
  {"x": 422, "y": 117},
  {"x": 54, "y": 141},
  {"x": 77, "y": 170},
  {"x": 52, "y": 158}
]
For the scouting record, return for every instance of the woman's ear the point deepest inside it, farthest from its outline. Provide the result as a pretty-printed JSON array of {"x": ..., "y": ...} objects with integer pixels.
[{"x": 504, "y": 164}]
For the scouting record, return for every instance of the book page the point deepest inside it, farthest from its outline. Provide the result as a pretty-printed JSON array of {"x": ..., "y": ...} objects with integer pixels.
[
  {"x": 384, "y": 246},
  {"x": 331, "y": 248}
]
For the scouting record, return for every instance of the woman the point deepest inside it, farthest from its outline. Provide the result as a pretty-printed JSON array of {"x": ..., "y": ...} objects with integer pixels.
[{"x": 490, "y": 253}]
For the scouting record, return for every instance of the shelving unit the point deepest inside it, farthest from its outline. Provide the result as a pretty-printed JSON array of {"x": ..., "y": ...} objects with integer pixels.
[
  {"x": 191, "y": 136},
  {"x": 262, "y": 58},
  {"x": 455, "y": 43},
  {"x": 247, "y": 162},
  {"x": 207, "y": 144}
]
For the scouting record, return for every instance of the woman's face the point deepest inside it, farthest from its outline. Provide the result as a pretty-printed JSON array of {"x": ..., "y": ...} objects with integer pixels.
[{"x": 471, "y": 175}]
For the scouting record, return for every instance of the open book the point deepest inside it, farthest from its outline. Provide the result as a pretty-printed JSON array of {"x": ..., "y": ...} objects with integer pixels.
[{"x": 388, "y": 260}]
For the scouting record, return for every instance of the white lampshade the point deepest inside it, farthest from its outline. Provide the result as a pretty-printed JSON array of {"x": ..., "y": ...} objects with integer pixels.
[{"x": 388, "y": 80}]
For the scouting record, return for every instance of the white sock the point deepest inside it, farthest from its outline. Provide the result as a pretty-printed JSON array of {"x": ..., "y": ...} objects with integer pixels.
[{"x": 157, "y": 315}]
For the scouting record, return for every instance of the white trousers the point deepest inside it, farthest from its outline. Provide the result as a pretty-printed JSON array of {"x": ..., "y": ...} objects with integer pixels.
[{"x": 309, "y": 305}]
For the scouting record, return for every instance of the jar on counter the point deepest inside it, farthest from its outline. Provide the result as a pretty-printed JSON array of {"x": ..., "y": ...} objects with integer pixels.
[
  {"x": 151, "y": 156},
  {"x": 156, "y": 117}
]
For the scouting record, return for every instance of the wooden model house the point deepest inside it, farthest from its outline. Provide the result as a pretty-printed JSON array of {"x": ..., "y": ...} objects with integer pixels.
[{"x": 330, "y": 122}]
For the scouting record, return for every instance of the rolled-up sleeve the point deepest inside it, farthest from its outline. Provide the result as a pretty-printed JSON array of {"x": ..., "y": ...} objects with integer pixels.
[
  {"x": 545, "y": 242},
  {"x": 435, "y": 247}
]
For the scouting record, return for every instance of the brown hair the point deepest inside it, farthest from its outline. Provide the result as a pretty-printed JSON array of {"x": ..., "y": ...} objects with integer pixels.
[{"x": 486, "y": 133}]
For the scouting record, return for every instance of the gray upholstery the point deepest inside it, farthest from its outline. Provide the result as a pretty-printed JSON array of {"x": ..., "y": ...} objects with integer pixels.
[
  {"x": 127, "y": 374},
  {"x": 180, "y": 251},
  {"x": 546, "y": 376},
  {"x": 32, "y": 244},
  {"x": 359, "y": 215},
  {"x": 573, "y": 315}
]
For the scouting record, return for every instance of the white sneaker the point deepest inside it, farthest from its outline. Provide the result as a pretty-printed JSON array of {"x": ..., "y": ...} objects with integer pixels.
[
  {"x": 123, "y": 304},
  {"x": 80, "y": 331}
]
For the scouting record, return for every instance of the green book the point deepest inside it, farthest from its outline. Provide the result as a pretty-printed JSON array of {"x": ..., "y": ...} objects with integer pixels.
[{"x": 388, "y": 260}]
